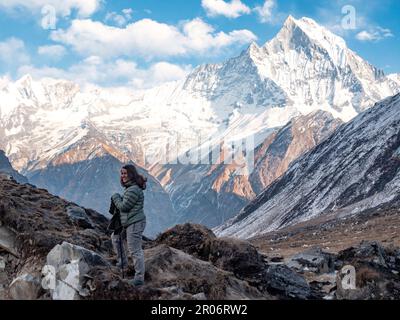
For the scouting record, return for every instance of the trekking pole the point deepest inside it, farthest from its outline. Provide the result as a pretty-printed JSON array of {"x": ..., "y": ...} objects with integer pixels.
[{"x": 121, "y": 254}]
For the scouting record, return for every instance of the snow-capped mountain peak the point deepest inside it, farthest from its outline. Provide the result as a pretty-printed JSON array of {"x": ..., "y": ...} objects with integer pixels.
[
  {"x": 24, "y": 81},
  {"x": 395, "y": 77},
  {"x": 313, "y": 30},
  {"x": 303, "y": 69},
  {"x": 252, "y": 49}
]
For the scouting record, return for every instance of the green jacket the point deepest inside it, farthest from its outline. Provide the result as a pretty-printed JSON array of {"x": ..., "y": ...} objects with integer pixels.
[{"x": 130, "y": 205}]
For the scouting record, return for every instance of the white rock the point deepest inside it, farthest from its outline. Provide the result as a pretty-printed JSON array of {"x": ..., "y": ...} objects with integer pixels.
[
  {"x": 200, "y": 296},
  {"x": 67, "y": 288},
  {"x": 71, "y": 263}
]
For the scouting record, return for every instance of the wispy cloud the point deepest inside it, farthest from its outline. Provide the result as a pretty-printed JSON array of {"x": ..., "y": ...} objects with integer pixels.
[
  {"x": 374, "y": 34},
  {"x": 148, "y": 38},
  {"x": 265, "y": 12},
  {"x": 62, "y": 8},
  {"x": 13, "y": 52},
  {"x": 232, "y": 9},
  {"x": 95, "y": 70},
  {"x": 54, "y": 52},
  {"x": 119, "y": 19},
  {"x": 269, "y": 13}
]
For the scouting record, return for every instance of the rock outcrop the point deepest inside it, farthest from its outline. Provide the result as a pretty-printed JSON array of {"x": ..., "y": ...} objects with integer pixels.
[
  {"x": 70, "y": 264},
  {"x": 314, "y": 260}
]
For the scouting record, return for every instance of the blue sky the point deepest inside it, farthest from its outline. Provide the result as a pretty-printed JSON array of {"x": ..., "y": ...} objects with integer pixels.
[{"x": 144, "y": 43}]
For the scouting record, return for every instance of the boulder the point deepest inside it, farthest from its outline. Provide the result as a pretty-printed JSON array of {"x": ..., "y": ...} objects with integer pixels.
[
  {"x": 374, "y": 275},
  {"x": 69, "y": 265},
  {"x": 282, "y": 281},
  {"x": 25, "y": 287},
  {"x": 323, "y": 286},
  {"x": 68, "y": 286},
  {"x": 275, "y": 259},
  {"x": 237, "y": 256},
  {"x": 7, "y": 241},
  {"x": 313, "y": 260},
  {"x": 191, "y": 238},
  {"x": 370, "y": 284},
  {"x": 79, "y": 217},
  {"x": 166, "y": 267},
  {"x": 371, "y": 251}
]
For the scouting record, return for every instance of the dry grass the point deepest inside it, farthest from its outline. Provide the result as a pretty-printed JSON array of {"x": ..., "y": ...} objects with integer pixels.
[{"x": 334, "y": 235}]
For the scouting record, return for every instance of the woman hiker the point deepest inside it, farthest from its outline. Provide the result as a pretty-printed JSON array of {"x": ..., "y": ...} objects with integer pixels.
[{"x": 133, "y": 220}]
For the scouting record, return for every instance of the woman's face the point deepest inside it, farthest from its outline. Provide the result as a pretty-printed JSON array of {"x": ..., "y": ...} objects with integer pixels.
[{"x": 124, "y": 175}]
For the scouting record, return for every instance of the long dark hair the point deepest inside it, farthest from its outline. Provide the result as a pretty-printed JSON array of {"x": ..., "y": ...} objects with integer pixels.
[{"x": 134, "y": 176}]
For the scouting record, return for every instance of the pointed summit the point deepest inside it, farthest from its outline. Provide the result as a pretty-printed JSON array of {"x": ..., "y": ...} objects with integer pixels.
[
  {"x": 24, "y": 86},
  {"x": 314, "y": 31},
  {"x": 252, "y": 49},
  {"x": 253, "y": 45},
  {"x": 304, "y": 34},
  {"x": 289, "y": 20},
  {"x": 25, "y": 79}
]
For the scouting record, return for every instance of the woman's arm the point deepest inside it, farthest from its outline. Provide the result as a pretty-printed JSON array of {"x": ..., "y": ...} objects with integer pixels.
[{"x": 126, "y": 202}]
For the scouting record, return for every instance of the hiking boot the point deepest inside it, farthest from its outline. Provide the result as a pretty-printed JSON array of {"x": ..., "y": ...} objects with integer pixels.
[{"x": 136, "y": 282}]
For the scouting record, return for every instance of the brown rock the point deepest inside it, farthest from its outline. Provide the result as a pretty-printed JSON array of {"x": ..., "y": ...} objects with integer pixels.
[
  {"x": 166, "y": 267},
  {"x": 191, "y": 238},
  {"x": 235, "y": 255}
]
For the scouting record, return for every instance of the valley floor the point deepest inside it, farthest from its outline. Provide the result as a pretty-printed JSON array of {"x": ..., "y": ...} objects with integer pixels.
[{"x": 332, "y": 234}]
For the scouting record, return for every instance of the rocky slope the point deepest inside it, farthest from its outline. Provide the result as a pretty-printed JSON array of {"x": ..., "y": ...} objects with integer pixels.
[
  {"x": 54, "y": 249},
  {"x": 355, "y": 169},
  {"x": 6, "y": 167},
  {"x": 212, "y": 193}
]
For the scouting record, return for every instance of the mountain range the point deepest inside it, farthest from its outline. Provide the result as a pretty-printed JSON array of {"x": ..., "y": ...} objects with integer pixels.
[
  {"x": 354, "y": 170},
  {"x": 212, "y": 193},
  {"x": 72, "y": 140}
]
